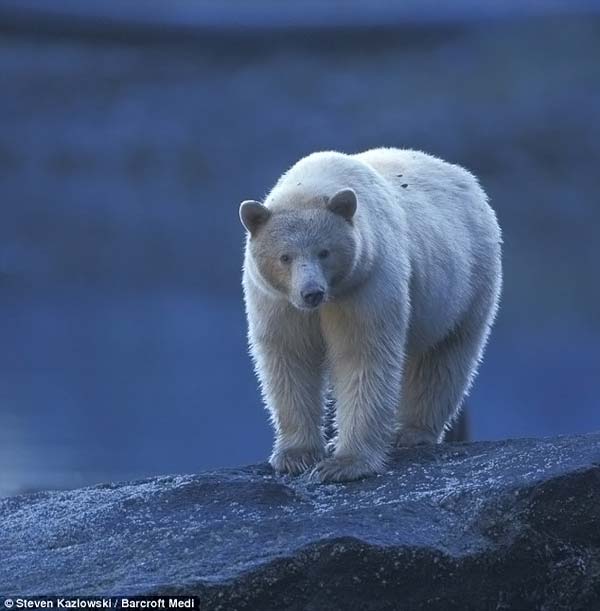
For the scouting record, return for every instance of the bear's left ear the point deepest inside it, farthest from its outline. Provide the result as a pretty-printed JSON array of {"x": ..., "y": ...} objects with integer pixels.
[
  {"x": 253, "y": 215},
  {"x": 343, "y": 203}
]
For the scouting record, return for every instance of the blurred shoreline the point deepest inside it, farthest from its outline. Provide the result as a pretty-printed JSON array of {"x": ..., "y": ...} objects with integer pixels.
[{"x": 187, "y": 18}]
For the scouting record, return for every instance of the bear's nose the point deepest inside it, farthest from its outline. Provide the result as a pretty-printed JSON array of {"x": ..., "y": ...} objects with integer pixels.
[{"x": 313, "y": 297}]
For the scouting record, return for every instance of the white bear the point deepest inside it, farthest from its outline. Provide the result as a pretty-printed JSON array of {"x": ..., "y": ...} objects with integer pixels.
[{"x": 378, "y": 275}]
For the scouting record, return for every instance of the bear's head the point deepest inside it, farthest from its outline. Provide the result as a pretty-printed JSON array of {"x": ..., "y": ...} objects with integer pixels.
[{"x": 303, "y": 252}]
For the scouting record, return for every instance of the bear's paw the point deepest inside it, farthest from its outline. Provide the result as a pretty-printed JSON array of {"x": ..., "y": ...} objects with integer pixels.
[{"x": 342, "y": 469}]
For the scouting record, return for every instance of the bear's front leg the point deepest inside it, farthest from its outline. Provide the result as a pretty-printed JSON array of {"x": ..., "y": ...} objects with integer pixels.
[
  {"x": 289, "y": 354},
  {"x": 366, "y": 348}
]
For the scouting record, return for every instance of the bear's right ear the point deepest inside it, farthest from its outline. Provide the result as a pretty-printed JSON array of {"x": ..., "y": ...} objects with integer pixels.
[
  {"x": 253, "y": 215},
  {"x": 343, "y": 203}
]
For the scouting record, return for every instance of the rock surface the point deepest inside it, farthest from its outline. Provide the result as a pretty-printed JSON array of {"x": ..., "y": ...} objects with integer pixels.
[{"x": 490, "y": 525}]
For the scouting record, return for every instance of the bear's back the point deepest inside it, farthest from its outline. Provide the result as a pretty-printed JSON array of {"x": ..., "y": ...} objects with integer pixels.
[
  {"x": 436, "y": 195},
  {"x": 406, "y": 168}
]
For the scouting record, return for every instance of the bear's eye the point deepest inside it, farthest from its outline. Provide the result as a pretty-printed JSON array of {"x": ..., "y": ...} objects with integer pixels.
[
  {"x": 323, "y": 254},
  {"x": 285, "y": 258}
]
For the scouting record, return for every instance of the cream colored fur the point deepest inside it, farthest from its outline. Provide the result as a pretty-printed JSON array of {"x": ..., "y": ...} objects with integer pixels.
[{"x": 400, "y": 336}]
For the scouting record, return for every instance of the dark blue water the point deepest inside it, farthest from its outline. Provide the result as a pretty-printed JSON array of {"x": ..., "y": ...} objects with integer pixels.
[{"x": 98, "y": 388}]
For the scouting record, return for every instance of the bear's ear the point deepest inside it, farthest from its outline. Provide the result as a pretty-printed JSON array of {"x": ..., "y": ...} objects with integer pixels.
[
  {"x": 253, "y": 215},
  {"x": 343, "y": 203}
]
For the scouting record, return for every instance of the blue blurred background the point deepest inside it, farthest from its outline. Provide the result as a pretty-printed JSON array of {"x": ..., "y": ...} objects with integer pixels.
[{"x": 129, "y": 133}]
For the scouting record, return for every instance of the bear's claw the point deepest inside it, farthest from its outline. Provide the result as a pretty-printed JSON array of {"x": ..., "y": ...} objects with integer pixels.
[{"x": 295, "y": 460}]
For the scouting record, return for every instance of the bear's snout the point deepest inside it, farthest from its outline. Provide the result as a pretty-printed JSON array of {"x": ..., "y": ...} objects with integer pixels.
[{"x": 312, "y": 296}]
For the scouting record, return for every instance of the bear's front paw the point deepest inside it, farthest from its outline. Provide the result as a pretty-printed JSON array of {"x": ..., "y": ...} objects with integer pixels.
[
  {"x": 342, "y": 469},
  {"x": 411, "y": 436},
  {"x": 295, "y": 460}
]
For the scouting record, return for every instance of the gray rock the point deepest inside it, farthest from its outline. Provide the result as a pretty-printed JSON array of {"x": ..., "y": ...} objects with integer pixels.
[{"x": 491, "y": 525}]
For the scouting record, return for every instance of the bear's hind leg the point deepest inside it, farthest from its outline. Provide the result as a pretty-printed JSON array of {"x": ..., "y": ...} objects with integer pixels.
[{"x": 436, "y": 382}]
